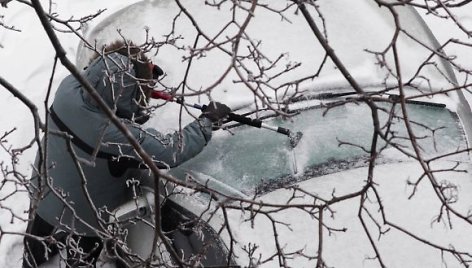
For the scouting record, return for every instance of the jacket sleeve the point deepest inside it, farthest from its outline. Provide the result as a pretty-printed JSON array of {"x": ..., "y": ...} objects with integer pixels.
[{"x": 173, "y": 149}]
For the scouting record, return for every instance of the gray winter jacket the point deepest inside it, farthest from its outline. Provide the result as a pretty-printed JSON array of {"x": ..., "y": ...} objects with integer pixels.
[{"x": 102, "y": 183}]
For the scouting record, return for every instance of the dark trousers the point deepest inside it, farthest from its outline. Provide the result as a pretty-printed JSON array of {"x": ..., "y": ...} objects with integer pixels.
[{"x": 37, "y": 251}]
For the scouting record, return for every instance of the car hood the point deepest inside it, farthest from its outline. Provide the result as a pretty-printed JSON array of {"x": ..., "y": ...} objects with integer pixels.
[{"x": 297, "y": 226}]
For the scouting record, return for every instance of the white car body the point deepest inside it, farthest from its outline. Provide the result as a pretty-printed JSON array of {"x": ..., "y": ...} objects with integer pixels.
[{"x": 296, "y": 232}]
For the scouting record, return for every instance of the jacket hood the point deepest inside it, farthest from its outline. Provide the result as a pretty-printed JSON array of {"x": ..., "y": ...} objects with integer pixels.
[{"x": 114, "y": 78}]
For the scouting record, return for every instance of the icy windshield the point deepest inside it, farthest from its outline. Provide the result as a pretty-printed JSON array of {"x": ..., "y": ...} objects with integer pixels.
[{"x": 250, "y": 157}]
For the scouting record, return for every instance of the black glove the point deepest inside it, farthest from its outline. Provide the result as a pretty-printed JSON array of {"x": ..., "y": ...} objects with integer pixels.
[
  {"x": 141, "y": 116},
  {"x": 216, "y": 112},
  {"x": 156, "y": 71}
]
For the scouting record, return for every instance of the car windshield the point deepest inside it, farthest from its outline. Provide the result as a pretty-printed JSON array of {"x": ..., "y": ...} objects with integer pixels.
[{"x": 257, "y": 160}]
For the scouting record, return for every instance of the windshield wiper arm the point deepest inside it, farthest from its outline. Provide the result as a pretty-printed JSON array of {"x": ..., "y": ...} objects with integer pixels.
[
  {"x": 392, "y": 97},
  {"x": 322, "y": 96},
  {"x": 396, "y": 99}
]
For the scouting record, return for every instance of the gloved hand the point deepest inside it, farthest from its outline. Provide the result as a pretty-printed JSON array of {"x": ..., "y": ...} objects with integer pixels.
[
  {"x": 141, "y": 117},
  {"x": 156, "y": 71},
  {"x": 216, "y": 112}
]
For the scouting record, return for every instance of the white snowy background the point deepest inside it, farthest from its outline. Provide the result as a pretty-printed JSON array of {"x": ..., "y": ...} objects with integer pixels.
[{"x": 26, "y": 60}]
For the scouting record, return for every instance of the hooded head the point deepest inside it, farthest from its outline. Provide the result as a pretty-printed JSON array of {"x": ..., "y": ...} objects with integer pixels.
[{"x": 123, "y": 76}]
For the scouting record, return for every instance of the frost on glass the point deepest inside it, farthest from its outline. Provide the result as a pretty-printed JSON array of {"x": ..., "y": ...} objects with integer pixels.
[{"x": 332, "y": 141}]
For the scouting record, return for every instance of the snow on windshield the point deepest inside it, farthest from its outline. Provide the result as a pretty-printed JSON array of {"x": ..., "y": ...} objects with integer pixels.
[{"x": 334, "y": 141}]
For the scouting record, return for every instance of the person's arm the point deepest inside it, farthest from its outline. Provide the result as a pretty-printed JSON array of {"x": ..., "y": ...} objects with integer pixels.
[{"x": 173, "y": 149}]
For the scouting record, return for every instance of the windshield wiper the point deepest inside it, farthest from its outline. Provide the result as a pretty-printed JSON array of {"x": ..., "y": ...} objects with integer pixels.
[
  {"x": 396, "y": 99},
  {"x": 392, "y": 97},
  {"x": 322, "y": 96}
]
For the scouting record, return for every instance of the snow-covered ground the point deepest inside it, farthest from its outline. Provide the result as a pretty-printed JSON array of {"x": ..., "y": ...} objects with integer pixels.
[{"x": 26, "y": 60}]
